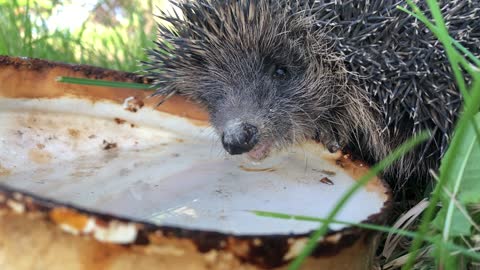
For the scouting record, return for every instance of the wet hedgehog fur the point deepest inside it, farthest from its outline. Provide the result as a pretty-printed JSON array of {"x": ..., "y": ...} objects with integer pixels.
[{"x": 359, "y": 75}]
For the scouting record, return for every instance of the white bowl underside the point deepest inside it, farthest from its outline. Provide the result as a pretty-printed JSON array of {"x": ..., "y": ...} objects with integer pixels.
[{"x": 166, "y": 169}]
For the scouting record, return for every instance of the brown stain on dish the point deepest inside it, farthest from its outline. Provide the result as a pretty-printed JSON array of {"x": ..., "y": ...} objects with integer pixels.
[
  {"x": 39, "y": 156},
  {"x": 247, "y": 169},
  {"x": 40, "y": 146},
  {"x": 159, "y": 239},
  {"x": 326, "y": 180},
  {"x": 74, "y": 133},
  {"x": 327, "y": 172},
  {"x": 101, "y": 223},
  {"x": 355, "y": 169},
  {"x": 109, "y": 145},
  {"x": 119, "y": 121},
  {"x": 239, "y": 247},
  {"x": 103, "y": 256},
  {"x": 4, "y": 171},
  {"x": 69, "y": 217},
  {"x": 31, "y": 121},
  {"x": 134, "y": 104}
]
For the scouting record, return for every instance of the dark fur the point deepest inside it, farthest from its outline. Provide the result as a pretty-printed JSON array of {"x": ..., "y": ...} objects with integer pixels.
[{"x": 362, "y": 76}]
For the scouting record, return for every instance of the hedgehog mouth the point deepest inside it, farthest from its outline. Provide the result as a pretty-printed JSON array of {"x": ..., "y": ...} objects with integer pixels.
[{"x": 260, "y": 151}]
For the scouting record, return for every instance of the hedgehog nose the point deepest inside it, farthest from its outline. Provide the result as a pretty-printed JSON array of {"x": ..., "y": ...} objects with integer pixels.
[{"x": 239, "y": 138}]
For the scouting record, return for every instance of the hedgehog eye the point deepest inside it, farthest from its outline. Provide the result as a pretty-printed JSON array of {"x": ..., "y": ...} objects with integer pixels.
[{"x": 279, "y": 72}]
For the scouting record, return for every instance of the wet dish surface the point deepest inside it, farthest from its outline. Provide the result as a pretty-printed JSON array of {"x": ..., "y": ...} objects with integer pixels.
[{"x": 168, "y": 170}]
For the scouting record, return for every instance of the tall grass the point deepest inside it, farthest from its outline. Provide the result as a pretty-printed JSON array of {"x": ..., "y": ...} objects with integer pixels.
[
  {"x": 459, "y": 164},
  {"x": 112, "y": 44},
  {"x": 22, "y": 35}
]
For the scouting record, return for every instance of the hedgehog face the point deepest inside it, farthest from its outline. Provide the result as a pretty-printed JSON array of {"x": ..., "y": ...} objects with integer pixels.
[
  {"x": 255, "y": 104},
  {"x": 267, "y": 81}
]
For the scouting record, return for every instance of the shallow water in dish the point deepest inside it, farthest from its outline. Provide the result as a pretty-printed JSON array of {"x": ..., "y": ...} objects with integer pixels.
[{"x": 165, "y": 169}]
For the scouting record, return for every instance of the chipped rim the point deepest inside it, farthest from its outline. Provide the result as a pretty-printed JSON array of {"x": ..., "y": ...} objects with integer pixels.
[{"x": 264, "y": 255}]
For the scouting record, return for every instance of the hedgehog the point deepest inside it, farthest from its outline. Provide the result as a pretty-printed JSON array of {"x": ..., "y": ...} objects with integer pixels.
[{"x": 358, "y": 76}]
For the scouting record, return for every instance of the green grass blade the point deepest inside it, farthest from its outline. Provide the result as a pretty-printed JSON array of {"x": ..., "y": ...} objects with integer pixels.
[
  {"x": 442, "y": 34},
  {"x": 322, "y": 230},
  {"x": 471, "y": 107},
  {"x": 450, "y": 246},
  {"x": 461, "y": 165},
  {"x": 104, "y": 83}
]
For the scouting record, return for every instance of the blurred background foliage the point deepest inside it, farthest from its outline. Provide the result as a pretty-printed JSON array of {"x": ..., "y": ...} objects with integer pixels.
[{"x": 107, "y": 33}]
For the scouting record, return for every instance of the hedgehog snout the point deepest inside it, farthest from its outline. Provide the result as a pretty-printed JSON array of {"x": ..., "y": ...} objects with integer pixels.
[{"x": 239, "y": 137}]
